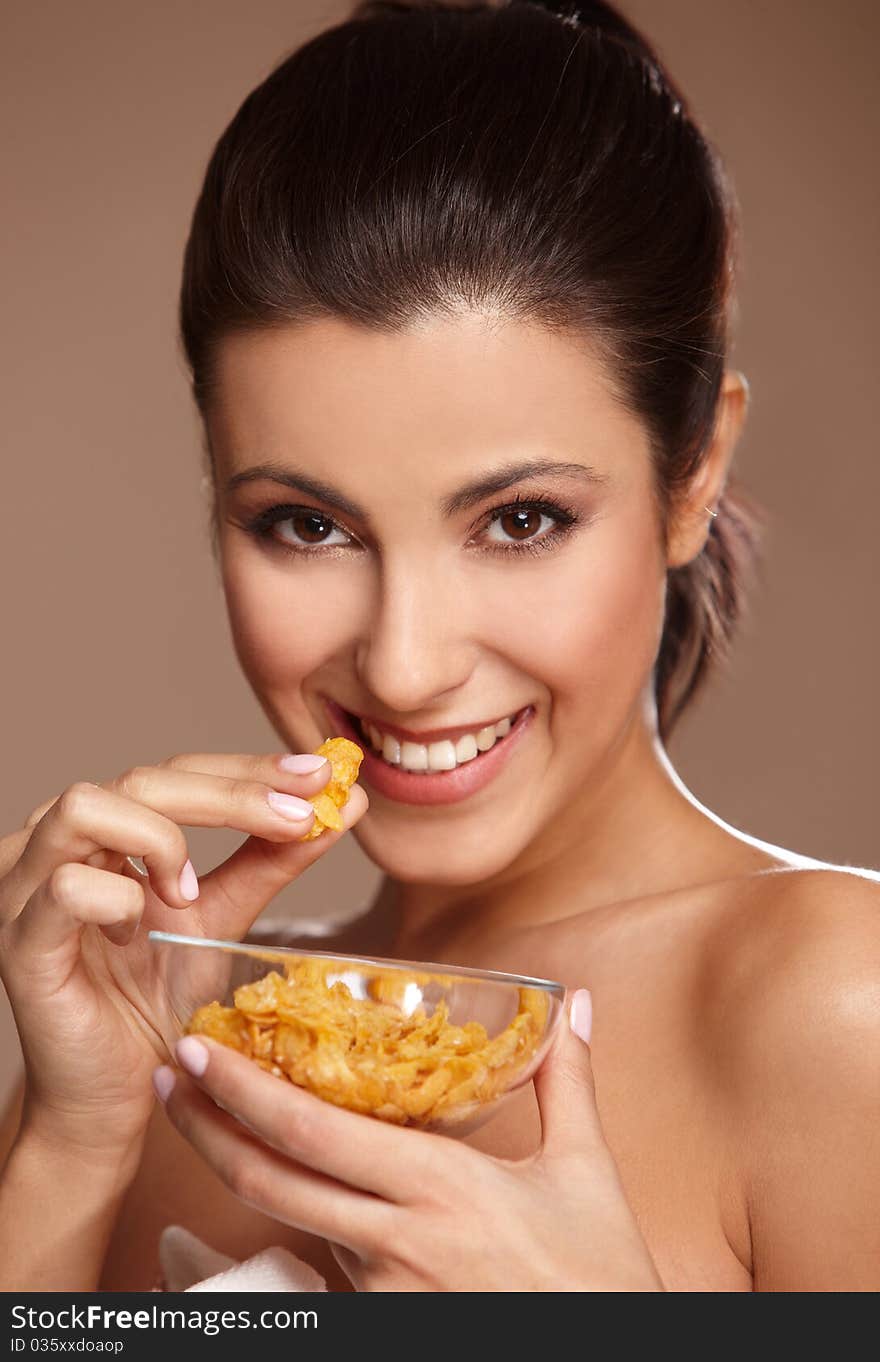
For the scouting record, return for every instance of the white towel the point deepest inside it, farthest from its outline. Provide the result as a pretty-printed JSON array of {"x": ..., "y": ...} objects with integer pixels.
[{"x": 188, "y": 1264}]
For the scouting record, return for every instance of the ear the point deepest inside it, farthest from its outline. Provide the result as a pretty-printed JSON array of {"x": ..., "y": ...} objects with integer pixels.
[{"x": 689, "y": 520}]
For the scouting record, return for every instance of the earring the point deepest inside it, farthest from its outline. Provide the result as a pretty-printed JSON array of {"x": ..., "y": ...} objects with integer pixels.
[{"x": 712, "y": 513}]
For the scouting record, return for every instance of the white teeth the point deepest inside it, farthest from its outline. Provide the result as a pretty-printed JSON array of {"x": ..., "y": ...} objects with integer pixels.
[
  {"x": 486, "y": 738},
  {"x": 444, "y": 755},
  {"x": 390, "y": 749},
  {"x": 466, "y": 748},
  {"x": 414, "y": 756},
  {"x": 441, "y": 756}
]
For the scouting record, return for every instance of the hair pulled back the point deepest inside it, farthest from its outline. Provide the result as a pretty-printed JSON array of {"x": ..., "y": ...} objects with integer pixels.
[{"x": 533, "y": 160}]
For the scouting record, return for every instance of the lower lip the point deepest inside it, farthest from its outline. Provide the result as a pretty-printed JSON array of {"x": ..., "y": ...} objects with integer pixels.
[{"x": 435, "y": 787}]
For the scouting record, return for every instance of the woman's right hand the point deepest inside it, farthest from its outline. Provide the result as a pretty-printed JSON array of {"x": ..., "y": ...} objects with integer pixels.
[{"x": 86, "y": 987}]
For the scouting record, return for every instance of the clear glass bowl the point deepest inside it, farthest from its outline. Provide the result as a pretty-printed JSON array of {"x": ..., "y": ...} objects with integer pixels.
[{"x": 401, "y": 1040}]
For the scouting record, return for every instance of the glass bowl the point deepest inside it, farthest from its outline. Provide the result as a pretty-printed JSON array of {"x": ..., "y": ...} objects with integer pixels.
[{"x": 435, "y": 1046}]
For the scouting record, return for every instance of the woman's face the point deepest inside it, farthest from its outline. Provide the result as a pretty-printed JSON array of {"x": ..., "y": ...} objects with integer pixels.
[{"x": 397, "y": 589}]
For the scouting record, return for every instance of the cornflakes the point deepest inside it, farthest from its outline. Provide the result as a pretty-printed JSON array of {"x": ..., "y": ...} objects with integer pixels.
[
  {"x": 370, "y": 1054},
  {"x": 345, "y": 758}
]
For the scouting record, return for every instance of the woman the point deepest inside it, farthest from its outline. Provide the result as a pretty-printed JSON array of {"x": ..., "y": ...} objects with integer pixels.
[{"x": 458, "y": 339}]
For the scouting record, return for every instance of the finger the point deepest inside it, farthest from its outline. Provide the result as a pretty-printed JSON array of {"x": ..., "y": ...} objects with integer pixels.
[
  {"x": 350, "y": 1262},
  {"x": 73, "y": 896},
  {"x": 269, "y": 768},
  {"x": 11, "y": 847},
  {"x": 86, "y": 819},
  {"x": 364, "y": 1152},
  {"x": 272, "y": 1182},
  {"x": 565, "y": 1089},
  {"x": 76, "y": 827},
  {"x": 266, "y": 768},
  {"x": 201, "y": 799},
  {"x": 139, "y": 812},
  {"x": 14, "y": 843},
  {"x": 235, "y": 892},
  {"x": 37, "y": 813}
]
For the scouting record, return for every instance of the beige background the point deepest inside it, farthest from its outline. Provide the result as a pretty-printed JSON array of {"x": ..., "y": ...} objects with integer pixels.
[{"x": 116, "y": 648}]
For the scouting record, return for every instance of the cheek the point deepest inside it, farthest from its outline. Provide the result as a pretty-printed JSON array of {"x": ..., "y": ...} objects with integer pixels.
[
  {"x": 615, "y": 633},
  {"x": 286, "y": 620},
  {"x": 588, "y": 628}
]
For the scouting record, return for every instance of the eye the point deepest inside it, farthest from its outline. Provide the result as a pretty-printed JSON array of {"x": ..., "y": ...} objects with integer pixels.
[
  {"x": 313, "y": 527},
  {"x": 526, "y": 525},
  {"x": 310, "y": 529},
  {"x": 529, "y": 525},
  {"x": 518, "y": 525}
]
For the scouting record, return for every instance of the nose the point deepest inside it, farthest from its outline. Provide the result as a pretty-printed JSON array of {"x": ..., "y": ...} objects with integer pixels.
[{"x": 416, "y": 646}]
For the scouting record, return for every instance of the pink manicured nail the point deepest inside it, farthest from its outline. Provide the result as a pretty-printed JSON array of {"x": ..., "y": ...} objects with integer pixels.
[
  {"x": 189, "y": 884},
  {"x": 288, "y": 805},
  {"x": 580, "y": 1014},
  {"x": 302, "y": 764},
  {"x": 192, "y": 1055},
  {"x": 163, "y": 1082}
]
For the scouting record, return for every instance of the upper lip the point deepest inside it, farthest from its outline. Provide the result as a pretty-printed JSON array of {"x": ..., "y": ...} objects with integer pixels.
[{"x": 427, "y": 735}]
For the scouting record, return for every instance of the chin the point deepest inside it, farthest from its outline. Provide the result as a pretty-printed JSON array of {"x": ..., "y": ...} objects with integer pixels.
[{"x": 425, "y": 856}]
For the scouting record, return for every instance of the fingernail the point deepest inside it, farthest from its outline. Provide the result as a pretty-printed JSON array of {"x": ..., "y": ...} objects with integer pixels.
[
  {"x": 189, "y": 884},
  {"x": 163, "y": 1082},
  {"x": 580, "y": 1015},
  {"x": 288, "y": 805},
  {"x": 192, "y": 1055},
  {"x": 303, "y": 764}
]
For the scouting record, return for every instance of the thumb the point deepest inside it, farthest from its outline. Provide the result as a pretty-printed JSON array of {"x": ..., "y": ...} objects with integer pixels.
[
  {"x": 564, "y": 1083},
  {"x": 236, "y": 892}
]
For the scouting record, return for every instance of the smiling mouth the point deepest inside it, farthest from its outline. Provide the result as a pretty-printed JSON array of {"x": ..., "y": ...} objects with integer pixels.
[{"x": 445, "y": 754}]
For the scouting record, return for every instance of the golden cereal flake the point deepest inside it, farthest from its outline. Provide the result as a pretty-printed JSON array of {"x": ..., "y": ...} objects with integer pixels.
[
  {"x": 345, "y": 758},
  {"x": 367, "y": 1054}
]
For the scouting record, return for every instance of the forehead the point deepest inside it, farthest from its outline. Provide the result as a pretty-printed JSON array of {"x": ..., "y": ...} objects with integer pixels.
[{"x": 447, "y": 394}]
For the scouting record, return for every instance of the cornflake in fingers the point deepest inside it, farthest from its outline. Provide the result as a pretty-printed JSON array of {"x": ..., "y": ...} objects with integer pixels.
[{"x": 345, "y": 758}]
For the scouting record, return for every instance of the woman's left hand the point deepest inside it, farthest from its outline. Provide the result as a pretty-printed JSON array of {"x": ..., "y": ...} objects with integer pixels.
[{"x": 411, "y": 1210}]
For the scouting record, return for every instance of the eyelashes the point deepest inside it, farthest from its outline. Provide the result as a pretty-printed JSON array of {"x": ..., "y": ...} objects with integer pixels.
[{"x": 565, "y": 518}]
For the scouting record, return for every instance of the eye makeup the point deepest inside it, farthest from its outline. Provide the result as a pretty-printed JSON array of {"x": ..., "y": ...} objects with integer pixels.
[{"x": 565, "y": 519}]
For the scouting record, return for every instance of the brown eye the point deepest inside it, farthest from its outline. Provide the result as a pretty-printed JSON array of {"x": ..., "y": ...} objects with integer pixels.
[
  {"x": 520, "y": 524},
  {"x": 530, "y": 526},
  {"x": 311, "y": 527},
  {"x": 297, "y": 529}
]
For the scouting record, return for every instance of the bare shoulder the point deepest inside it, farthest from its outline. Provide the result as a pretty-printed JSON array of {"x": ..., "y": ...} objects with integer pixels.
[
  {"x": 790, "y": 923},
  {"x": 792, "y": 974},
  {"x": 792, "y": 1054}
]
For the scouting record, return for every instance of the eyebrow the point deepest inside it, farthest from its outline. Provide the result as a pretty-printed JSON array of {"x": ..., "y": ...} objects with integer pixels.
[{"x": 470, "y": 495}]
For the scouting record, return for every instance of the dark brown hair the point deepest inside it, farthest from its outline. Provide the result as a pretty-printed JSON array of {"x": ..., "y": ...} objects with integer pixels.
[{"x": 532, "y": 159}]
